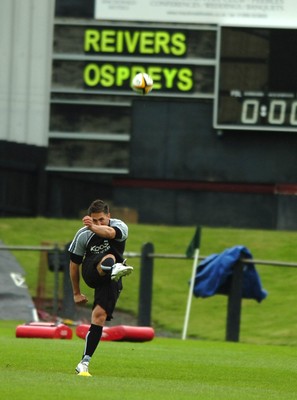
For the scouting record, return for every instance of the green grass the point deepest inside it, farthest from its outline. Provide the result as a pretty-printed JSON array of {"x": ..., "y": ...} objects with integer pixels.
[
  {"x": 273, "y": 321},
  {"x": 160, "y": 369}
]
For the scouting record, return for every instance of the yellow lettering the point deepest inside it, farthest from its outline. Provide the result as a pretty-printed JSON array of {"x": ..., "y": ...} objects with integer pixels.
[
  {"x": 118, "y": 76},
  {"x": 179, "y": 46},
  {"x": 131, "y": 40},
  {"x": 123, "y": 73},
  {"x": 91, "y": 41},
  {"x": 156, "y": 74},
  {"x": 135, "y": 69},
  {"x": 185, "y": 76},
  {"x": 135, "y": 42},
  {"x": 169, "y": 75},
  {"x": 107, "y": 73},
  {"x": 91, "y": 75},
  {"x": 120, "y": 42},
  {"x": 161, "y": 42},
  {"x": 108, "y": 41},
  {"x": 146, "y": 45}
]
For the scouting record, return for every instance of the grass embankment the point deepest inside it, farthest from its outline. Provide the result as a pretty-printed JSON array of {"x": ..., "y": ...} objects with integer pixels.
[{"x": 273, "y": 321}]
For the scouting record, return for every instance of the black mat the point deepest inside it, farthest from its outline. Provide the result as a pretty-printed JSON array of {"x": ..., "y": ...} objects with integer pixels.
[{"x": 15, "y": 300}]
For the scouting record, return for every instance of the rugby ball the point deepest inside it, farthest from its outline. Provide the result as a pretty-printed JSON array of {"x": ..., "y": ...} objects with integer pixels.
[{"x": 142, "y": 83}]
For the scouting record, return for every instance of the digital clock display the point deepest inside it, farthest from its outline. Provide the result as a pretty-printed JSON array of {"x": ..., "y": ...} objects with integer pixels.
[{"x": 256, "y": 80}]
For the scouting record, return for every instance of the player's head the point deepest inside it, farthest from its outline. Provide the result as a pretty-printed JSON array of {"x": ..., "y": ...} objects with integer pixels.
[
  {"x": 99, "y": 212},
  {"x": 98, "y": 206}
]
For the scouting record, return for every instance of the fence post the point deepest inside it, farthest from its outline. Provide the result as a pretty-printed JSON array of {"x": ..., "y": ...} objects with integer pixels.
[
  {"x": 68, "y": 305},
  {"x": 234, "y": 304},
  {"x": 146, "y": 285},
  {"x": 56, "y": 262}
]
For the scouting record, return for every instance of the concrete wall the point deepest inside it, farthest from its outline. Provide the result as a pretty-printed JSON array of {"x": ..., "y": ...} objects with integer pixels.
[{"x": 25, "y": 48}]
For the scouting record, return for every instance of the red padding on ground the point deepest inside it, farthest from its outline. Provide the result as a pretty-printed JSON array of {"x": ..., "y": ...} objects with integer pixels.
[
  {"x": 44, "y": 330},
  {"x": 120, "y": 333}
]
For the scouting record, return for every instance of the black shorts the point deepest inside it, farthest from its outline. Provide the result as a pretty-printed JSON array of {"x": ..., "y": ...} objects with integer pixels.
[{"x": 107, "y": 291}]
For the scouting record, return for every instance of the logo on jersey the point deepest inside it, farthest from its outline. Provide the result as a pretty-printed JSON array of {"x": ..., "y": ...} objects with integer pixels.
[{"x": 102, "y": 248}]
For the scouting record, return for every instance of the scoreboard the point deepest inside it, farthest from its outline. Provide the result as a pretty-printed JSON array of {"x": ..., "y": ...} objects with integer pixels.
[{"x": 256, "y": 79}]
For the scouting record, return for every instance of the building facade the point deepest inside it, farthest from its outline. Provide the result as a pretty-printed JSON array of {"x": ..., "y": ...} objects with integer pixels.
[{"x": 214, "y": 143}]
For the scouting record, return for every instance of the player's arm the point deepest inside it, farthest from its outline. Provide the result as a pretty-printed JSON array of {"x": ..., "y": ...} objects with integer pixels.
[
  {"x": 78, "y": 297},
  {"x": 103, "y": 231}
]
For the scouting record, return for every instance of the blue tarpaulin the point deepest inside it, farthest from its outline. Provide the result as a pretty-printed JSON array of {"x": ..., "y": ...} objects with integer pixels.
[{"x": 214, "y": 275}]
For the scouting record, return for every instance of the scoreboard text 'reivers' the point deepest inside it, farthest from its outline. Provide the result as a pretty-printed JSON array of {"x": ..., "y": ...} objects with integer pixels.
[{"x": 136, "y": 42}]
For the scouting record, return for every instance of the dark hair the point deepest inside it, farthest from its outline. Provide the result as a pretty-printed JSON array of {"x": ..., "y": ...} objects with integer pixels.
[{"x": 98, "y": 206}]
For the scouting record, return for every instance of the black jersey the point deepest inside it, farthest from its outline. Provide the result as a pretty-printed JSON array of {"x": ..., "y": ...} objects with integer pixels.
[{"x": 86, "y": 243}]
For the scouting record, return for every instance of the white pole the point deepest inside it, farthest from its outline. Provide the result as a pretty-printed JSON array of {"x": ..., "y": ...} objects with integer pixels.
[{"x": 190, "y": 296}]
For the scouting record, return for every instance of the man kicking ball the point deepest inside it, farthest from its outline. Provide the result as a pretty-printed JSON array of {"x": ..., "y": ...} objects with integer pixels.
[{"x": 99, "y": 246}]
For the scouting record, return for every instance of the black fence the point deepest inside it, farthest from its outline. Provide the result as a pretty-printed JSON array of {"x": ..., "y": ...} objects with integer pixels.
[
  {"x": 234, "y": 297},
  {"x": 57, "y": 259}
]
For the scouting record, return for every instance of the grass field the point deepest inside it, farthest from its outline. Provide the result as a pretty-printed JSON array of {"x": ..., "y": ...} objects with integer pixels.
[
  {"x": 160, "y": 369},
  {"x": 262, "y": 366},
  {"x": 273, "y": 321}
]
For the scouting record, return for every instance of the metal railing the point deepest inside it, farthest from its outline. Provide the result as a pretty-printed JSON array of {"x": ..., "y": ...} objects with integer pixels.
[
  {"x": 234, "y": 297},
  {"x": 147, "y": 257}
]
